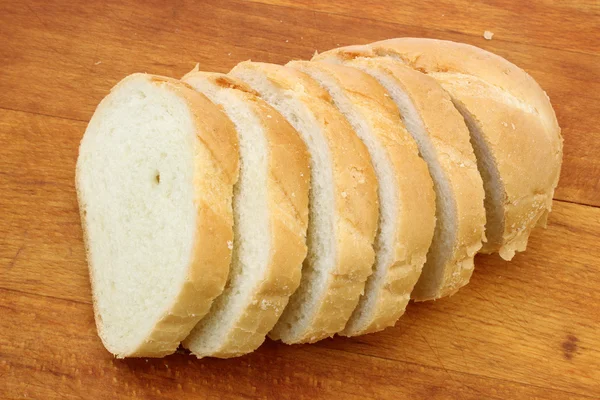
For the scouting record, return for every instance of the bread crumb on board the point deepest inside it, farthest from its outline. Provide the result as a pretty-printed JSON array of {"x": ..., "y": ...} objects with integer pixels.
[{"x": 488, "y": 35}]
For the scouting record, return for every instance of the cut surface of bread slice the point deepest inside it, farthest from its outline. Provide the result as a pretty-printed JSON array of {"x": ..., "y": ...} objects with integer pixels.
[
  {"x": 343, "y": 206},
  {"x": 406, "y": 196},
  {"x": 270, "y": 207},
  {"x": 154, "y": 178},
  {"x": 514, "y": 132},
  {"x": 444, "y": 142}
]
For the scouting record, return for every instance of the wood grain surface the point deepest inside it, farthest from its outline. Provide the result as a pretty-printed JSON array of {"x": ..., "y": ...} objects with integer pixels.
[{"x": 522, "y": 329}]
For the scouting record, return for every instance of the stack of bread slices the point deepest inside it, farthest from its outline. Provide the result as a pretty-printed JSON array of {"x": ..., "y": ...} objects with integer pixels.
[{"x": 307, "y": 200}]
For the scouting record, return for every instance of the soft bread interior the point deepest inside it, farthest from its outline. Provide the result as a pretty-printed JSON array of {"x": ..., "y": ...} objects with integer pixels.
[
  {"x": 388, "y": 199},
  {"x": 251, "y": 244},
  {"x": 135, "y": 182},
  {"x": 321, "y": 236},
  {"x": 444, "y": 237}
]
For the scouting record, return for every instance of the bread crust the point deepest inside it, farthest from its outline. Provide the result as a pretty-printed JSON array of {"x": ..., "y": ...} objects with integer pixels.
[
  {"x": 356, "y": 207},
  {"x": 535, "y": 141},
  {"x": 415, "y": 214},
  {"x": 216, "y": 171},
  {"x": 287, "y": 195},
  {"x": 515, "y": 116}
]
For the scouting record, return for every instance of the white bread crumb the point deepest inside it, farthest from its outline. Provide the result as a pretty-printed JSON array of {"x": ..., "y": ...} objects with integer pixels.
[{"x": 488, "y": 35}]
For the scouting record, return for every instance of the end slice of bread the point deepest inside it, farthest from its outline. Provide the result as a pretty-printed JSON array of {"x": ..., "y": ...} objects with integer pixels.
[
  {"x": 343, "y": 204},
  {"x": 154, "y": 178},
  {"x": 514, "y": 132},
  {"x": 270, "y": 206},
  {"x": 406, "y": 196}
]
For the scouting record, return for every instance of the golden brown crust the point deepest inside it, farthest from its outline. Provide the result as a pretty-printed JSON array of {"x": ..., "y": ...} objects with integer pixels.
[
  {"x": 415, "y": 214},
  {"x": 216, "y": 166},
  {"x": 287, "y": 196},
  {"x": 356, "y": 206},
  {"x": 430, "y": 55},
  {"x": 472, "y": 75}
]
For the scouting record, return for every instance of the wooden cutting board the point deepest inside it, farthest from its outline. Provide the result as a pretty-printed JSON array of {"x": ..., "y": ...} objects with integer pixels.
[{"x": 522, "y": 329}]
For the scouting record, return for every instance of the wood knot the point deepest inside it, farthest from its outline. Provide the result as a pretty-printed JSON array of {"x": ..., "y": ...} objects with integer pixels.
[{"x": 569, "y": 346}]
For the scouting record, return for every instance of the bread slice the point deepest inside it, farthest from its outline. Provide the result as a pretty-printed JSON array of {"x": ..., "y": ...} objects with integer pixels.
[
  {"x": 443, "y": 139},
  {"x": 270, "y": 208},
  {"x": 154, "y": 178},
  {"x": 406, "y": 196},
  {"x": 514, "y": 132},
  {"x": 343, "y": 204}
]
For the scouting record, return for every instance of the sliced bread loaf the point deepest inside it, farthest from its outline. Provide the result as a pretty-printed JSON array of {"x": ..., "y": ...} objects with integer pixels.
[
  {"x": 514, "y": 132},
  {"x": 270, "y": 209},
  {"x": 406, "y": 196},
  {"x": 154, "y": 178},
  {"x": 343, "y": 204},
  {"x": 443, "y": 139}
]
